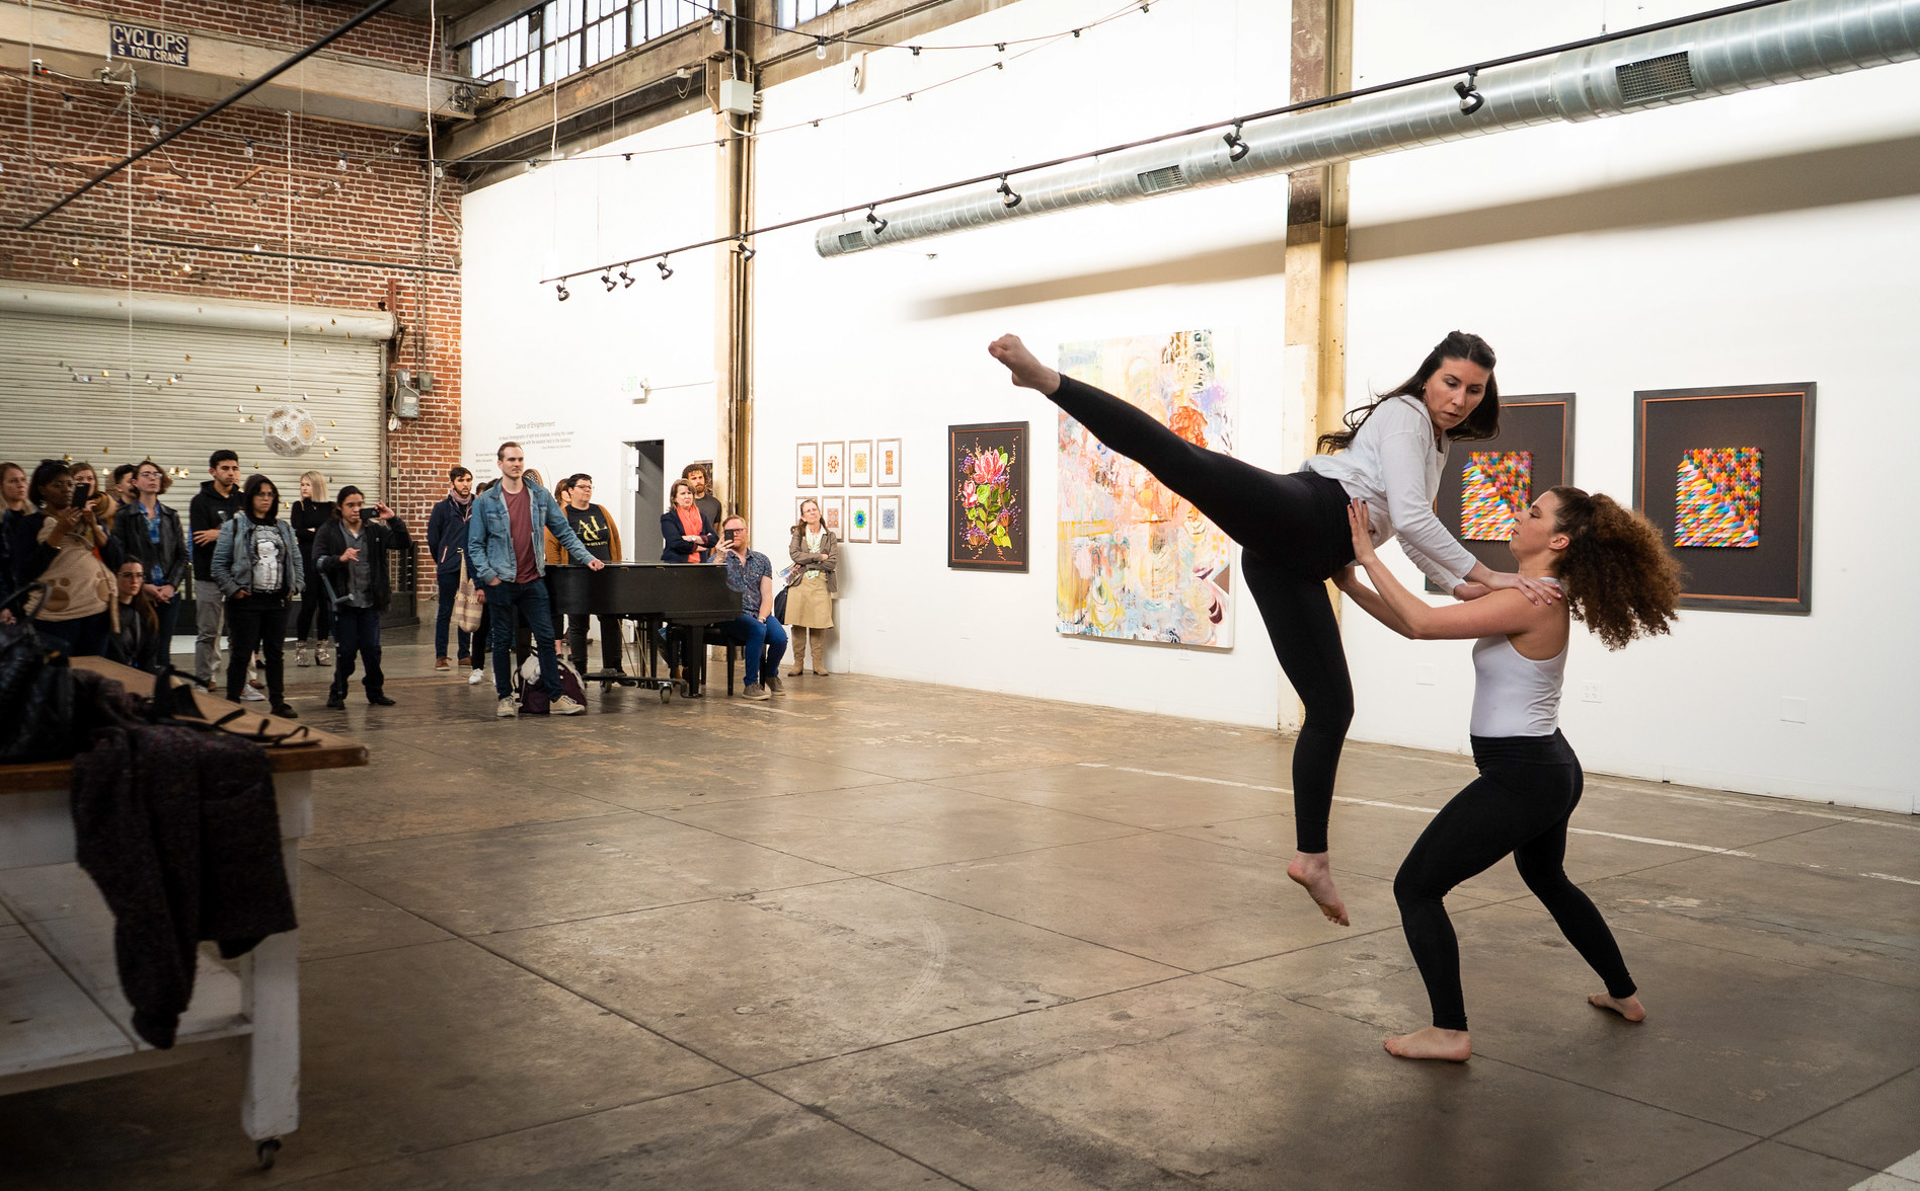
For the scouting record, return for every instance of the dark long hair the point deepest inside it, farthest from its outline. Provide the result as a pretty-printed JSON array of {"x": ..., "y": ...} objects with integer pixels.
[
  {"x": 251, "y": 488},
  {"x": 1619, "y": 579},
  {"x": 1482, "y": 423}
]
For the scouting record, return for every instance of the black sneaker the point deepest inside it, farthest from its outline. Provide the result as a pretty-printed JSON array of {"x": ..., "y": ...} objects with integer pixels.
[
  {"x": 380, "y": 700},
  {"x": 285, "y": 711},
  {"x": 336, "y": 702}
]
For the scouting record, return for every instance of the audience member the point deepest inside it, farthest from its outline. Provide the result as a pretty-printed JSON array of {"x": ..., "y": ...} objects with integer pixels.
[
  {"x": 483, "y": 633},
  {"x": 13, "y": 489},
  {"x": 594, "y": 526},
  {"x": 78, "y": 606},
  {"x": 216, "y": 504},
  {"x": 122, "y": 486},
  {"x": 257, "y": 564},
  {"x": 810, "y": 594},
  {"x": 149, "y": 533},
  {"x": 750, "y": 573},
  {"x": 21, "y": 557},
  {"x": 132, "y": 642},
  {"x": 506, "y": 557},
  {"x": 351, "y": 555},
  {"x": 701, "y": 477},
  {"x": 447, "y": 543},
  {"x": 686, "y": 533},
  {"x": 87, "y": 481},
  {"x": 308, "y": 514}
]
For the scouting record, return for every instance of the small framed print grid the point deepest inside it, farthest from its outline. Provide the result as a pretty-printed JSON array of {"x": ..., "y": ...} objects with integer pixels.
[
  {"x": 886, "y": 462},
  {"x": 860, "y": 463},
  {"x": 886, "y": 520},
  {"x": 833, "y": 514},
  {"x": 806, "y": 467},
  {"x": 833, "y": 464},
  {"x": 859, "y": 518}
]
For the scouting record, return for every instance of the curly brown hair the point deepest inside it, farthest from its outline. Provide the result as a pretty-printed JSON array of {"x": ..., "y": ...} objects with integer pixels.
[{"x": 1619, "y": 579}]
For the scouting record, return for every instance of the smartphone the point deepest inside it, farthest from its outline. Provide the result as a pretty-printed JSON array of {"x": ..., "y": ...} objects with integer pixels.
[{"x": 82, "y": 494}]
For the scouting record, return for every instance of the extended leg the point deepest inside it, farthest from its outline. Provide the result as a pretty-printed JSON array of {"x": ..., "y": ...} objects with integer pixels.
[{"x": 1542, "y": 864}]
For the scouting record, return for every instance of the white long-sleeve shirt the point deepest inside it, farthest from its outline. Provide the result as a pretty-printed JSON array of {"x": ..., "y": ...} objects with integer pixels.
[{"x": 1393, "y": 465}]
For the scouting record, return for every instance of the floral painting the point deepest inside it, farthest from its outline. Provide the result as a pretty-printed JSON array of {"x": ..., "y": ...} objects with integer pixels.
[
  {"x": 987, "y": 497},
  {"x": 1136, "y": 561}
]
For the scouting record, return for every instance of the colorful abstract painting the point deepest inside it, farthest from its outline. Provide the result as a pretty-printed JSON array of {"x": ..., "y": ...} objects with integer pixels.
[
  {"x": 1494, "y": 487},
  {"x": 1717, "y": 498},
  {"x": 1137, "y": 562}
]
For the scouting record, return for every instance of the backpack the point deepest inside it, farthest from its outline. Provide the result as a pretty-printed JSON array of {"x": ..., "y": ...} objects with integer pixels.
[{"x": 533, "y": 693}]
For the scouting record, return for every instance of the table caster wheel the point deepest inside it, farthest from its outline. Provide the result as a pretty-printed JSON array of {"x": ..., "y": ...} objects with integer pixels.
[
  {"x": 666, "y": 693},
  {"x": 265, "y": 1152}
]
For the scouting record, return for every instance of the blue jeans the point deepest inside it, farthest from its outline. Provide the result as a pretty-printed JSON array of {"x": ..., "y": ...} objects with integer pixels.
[
  {"x": 530, "y": 600},
  {"x": 355, "y": 631},
  {"x": 82, "y": 638},
  {"x": 759, "y": 637},
  {"x": 448, "y": 590}
]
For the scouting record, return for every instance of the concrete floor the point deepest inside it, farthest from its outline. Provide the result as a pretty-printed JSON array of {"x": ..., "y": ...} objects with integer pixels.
[{"x": 884, "y": 935}]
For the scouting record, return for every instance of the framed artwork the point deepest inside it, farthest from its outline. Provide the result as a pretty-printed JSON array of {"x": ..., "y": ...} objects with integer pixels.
[
  {"x": 1726, "y": 476},
  {"x": 987, "y": 496},
  {"x": 859, "y": 518},
  {"x": 886, "y": 462},
  {"x": 833, "y": 464},
  {"x": 1487, "y": 483},
  {"x": 886, "y": 519},
  {"x": 1136, "y": 562},
  {"x": 860, "y": 463},
  {"x": 806, "y": 468},
  {"x": 833, "y": 514}
]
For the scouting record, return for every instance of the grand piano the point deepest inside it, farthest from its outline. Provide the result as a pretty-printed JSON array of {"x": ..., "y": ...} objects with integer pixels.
[{"x": 692, "y": 596}]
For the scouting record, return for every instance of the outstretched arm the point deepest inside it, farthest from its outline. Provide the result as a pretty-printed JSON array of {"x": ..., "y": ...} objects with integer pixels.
[{"x": 1500, "y": 612}]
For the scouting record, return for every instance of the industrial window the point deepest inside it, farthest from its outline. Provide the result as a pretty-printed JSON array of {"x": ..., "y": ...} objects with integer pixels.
[
  {"x": 563, "y": 37},
  {"x": 795, "y": 13}
]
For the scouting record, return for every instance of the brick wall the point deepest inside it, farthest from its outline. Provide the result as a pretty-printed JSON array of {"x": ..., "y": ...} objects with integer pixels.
[
  {"x": 383, "y": 38},
  {"x": 372, "y": 211}
]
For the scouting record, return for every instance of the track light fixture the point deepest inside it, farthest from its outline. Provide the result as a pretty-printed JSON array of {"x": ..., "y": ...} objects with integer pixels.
[
  {"x": 606, "y": 279},
  {"x": 1239, "y": 147},
  {"x": 1007, "y": 195},
  {"x": 560, "y": 288},
  {"x": 664, "y": 271},
  {"x": 1001, "y": 46},
  {"x": 1471, "y": 100},
  {"x": 626, "y": 278},
  {"x": 879, "y": 224},
  {"x": 746, "y": 250},
  {"x": 915, "y": 49},
  {"x": 820, "y": 48}
]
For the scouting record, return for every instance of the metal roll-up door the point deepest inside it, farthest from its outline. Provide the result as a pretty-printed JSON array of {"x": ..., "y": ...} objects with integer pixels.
[{"x": 176, "y": 392}]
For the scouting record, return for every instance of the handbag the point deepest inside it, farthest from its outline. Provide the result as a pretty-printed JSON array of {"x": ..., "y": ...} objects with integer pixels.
[{"x": 467, "y": 605}]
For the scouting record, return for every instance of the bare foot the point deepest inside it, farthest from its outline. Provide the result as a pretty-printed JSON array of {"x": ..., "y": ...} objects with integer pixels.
[
  {"x": 1028, "y": 372},
  {"x": 1432, "y": 1043},
  {"x": 1314, "y": 872},
  {"x": 1627, "y": 1007}
]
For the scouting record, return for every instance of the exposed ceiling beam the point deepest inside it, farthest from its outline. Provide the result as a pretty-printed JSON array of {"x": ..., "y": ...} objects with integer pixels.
[{"x": 328, "y": 86}]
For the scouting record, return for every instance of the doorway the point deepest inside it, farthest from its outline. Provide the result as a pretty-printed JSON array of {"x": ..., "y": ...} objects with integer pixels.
[{"x": 649, "y": 498}]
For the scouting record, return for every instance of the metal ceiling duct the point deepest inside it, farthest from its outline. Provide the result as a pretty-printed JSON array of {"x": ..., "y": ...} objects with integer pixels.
[{"x": 1762, "y": 47}]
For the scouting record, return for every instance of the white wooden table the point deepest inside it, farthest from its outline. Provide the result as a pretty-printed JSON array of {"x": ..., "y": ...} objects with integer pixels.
[{"x": 62, "y": 1016}]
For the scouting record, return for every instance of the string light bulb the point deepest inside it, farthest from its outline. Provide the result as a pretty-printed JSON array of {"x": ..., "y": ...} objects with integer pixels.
[
  {"x": 820, "y": 48},
  {"x": 719, "y": 24}
]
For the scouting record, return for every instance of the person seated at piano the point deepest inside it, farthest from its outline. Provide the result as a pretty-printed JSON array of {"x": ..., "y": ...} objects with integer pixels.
[
  {"x": 687, "y": 533},
  {"x": 756, "y": 629}
]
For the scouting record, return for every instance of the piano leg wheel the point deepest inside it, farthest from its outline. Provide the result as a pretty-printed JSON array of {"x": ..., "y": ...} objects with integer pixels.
[
  {"x": 266, "y": 1152},
  {"x": 666, "y": 694}
]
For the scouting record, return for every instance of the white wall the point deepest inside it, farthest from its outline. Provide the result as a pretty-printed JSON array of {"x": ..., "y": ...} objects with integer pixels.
[
  {"x": 561, "y": 377},
  {"x": 1724, "y": 295},
  {"x": 891, "y": 343}
]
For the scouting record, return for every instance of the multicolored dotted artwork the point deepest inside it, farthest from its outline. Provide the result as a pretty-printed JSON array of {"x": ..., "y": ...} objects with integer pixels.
[
  {"x": 1494, "y": 487},
  {"x": 1717, "y": 498}
]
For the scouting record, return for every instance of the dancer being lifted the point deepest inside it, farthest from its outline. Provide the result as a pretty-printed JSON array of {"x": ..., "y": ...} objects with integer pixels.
[
  {"x": 1294, "y": 531},
  {"x": 1622, "y": 584}
]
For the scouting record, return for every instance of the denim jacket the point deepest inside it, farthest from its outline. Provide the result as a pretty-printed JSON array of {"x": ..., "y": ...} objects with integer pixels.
[
  {"x": 233, "y": 556},
  {"x": 490, "y": 539}
]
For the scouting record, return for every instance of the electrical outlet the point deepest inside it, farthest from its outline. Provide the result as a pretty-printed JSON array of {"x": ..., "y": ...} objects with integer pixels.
[
  {"x": 1793, "y": 710},
  {"x": 1590, "y": 692}
]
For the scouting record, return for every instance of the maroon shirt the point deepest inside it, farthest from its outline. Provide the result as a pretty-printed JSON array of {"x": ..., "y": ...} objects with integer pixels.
[{"x": 520, "y": 533}]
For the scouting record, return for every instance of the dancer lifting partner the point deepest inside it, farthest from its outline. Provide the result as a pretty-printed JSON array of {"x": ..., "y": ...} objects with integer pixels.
[
  {"x": 1294, "y": 531},
  {"x": 1621, "y": 582}
]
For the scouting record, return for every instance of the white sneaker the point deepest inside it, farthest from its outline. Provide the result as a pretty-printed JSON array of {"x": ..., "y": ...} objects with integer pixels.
[
  {"x": 252, "y": 695},
  {"x": 565, "y": 705},
  {"x": 474, "y": 678},
  {"x": 508, "y": 708}
]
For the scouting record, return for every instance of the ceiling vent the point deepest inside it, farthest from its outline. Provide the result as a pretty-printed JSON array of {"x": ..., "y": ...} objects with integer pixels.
[
  {"x": 1167, "y": 177},
  {"x": 852, "y": 241},
  {"x": 1655, "y": 78}
]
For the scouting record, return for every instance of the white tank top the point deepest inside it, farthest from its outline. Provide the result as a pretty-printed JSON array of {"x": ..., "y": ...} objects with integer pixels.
[{"x": 1514, "y": 695}]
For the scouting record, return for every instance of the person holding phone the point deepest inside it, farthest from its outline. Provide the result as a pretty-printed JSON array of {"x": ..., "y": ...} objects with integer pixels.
[
  {"x": 78, "y": 607},
  {"x": 350, "y": 552}
]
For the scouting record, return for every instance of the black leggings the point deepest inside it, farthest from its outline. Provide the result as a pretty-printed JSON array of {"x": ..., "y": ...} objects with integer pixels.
[
  {"x": 1294, "y": 530},
  {"x": 1520, "y": 803}
]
